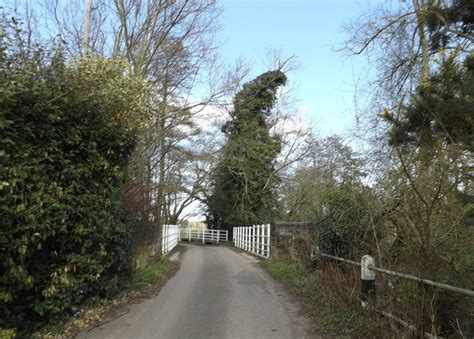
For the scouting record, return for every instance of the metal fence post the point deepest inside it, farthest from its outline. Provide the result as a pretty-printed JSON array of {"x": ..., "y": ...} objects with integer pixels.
[
  {"x": 247, "y": 236},
  {"x": 259, "y": 228},
  {"x": 367, "y": 277},
  {"x": 268, "y": 240},
  {"x": 240, "y": 237},
  {"x": 253, "y": 239}
]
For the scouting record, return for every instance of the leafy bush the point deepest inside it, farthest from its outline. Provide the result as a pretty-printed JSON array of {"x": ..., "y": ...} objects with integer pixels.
[
  {"x": 66, "y": 135},
  {"x": 345, "y": 219}
]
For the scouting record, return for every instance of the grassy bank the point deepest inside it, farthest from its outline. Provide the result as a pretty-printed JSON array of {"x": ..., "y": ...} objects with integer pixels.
[{"x": 323, "y": 299}]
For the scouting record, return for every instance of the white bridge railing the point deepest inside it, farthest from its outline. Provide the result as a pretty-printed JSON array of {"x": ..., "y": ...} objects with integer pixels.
[
  {"x": 191, "y": 234},
  {"x": 254, "y": 239},
  {"x": 169, "y": 238}
]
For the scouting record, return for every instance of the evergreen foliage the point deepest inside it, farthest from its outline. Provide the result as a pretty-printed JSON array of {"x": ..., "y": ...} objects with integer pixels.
[
  {"x": 442, "y": 108},
  {"x": 65, "y": 139},
  {"x": 244, "y": 177},
  {"x": 450, "y": 22}
]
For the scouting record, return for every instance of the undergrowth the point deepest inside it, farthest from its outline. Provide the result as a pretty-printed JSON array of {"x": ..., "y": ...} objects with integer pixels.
[
  {"x": 150, "y": 274},
  {"x": 341, "y": 314},
  {"x": 97, "y": 308}
]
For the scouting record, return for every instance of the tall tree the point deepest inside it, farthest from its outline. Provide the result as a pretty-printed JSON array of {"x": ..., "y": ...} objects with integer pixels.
[
  {"x": 244, "y": 178},
  {"x": 443, "y": 108}
]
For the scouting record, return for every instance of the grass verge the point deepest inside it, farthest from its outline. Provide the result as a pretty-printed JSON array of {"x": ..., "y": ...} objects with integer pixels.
[
  {"x": 339, "y": 314},
  {"x": 150, "y": 274}
]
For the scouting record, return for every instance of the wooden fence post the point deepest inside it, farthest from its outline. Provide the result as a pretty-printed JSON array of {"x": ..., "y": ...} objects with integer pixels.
[{"x": 367, "y": 277}]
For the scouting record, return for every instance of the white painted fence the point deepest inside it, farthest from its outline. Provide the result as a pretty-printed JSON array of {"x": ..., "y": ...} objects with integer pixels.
[
  {"x": 254, "y": 239},
  {"x": 190, "y": 234},
  {"x": 169, "y": 238}
]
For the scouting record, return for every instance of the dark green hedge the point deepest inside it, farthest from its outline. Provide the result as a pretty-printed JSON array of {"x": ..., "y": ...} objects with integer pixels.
[{"x": 62, "y": 153}]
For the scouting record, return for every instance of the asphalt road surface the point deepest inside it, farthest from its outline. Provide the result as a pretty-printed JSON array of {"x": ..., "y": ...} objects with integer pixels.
[{"x": 217, "y": 293}]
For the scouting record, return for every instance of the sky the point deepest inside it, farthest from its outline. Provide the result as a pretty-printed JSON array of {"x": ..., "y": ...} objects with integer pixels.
[{"x": 313, "y": 31}]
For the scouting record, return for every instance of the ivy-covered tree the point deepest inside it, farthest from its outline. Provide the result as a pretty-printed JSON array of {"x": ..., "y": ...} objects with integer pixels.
[{"x": 245, "y": 178}]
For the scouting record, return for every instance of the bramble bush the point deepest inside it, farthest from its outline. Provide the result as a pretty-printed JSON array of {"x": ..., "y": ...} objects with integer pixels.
[{"x": 66, "y": 133}]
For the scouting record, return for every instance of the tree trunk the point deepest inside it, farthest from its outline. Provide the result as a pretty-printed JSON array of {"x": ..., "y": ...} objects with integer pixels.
[
  {"x": 162, "y": 160},
  {"x": 421, "y": 8},
  {"x": 87, "y": 28}
]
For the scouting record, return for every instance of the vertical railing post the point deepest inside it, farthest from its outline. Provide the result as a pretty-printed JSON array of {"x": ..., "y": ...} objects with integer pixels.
[
  {"x": 259, "y": 239},
  {"x": 246, "y": 231},
  {"x": 203, "y": 237},
  {"x": 256, "y": 238},
  {"x": 267, "y": 254},
  {"x": 250, "y": 239},
  {"x": 240, "y": 237},
  {"x": 252, "y": 248},
  {"x": 218, "y": 236},
  {"x": 367, "y": 277}
]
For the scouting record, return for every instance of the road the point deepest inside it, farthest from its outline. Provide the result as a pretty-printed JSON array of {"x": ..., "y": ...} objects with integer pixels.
[{"x": 217, "y": 293}]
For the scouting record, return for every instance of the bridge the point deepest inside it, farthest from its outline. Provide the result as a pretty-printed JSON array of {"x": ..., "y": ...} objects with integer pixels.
[{"x": 217, "y": 293}]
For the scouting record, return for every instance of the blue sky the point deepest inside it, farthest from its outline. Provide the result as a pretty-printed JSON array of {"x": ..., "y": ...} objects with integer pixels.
[{"x": 313, "y": 31}]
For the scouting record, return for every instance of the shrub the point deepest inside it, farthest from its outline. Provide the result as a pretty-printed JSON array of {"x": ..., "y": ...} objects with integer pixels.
[{"x": 66, "y": 135}]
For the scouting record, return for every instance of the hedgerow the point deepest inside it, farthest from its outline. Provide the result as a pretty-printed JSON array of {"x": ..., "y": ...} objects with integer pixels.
[{"x": 66, "y": 133}]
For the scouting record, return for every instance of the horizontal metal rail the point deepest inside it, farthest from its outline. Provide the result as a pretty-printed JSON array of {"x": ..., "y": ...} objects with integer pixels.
[
  {"x": 405, "y": 276},
  {"x": 340, "y": 259},
  {"x": 424, "y": 281}
]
